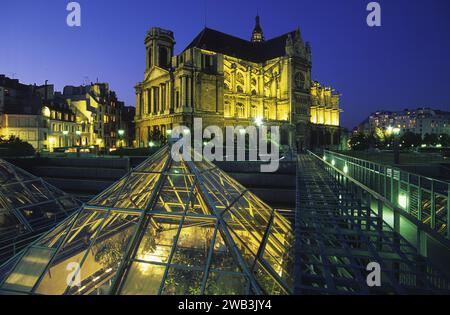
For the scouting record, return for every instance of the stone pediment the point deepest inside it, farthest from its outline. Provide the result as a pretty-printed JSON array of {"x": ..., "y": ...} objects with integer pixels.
[{"x": 155, "y": 73}]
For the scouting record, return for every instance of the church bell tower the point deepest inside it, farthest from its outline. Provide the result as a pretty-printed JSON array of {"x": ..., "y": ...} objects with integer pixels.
[
  {"x": 159, "y": 44},
  {"x": 257, "y": 35}
]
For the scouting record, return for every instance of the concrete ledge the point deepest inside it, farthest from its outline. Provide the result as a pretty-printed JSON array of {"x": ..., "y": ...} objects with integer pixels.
[
  {"x": 91, "y": 187},
  {"x": 79, "y": 172}
]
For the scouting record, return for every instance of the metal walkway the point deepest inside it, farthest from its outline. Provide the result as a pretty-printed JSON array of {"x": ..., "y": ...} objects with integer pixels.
[{"x": 338, "y": 236}]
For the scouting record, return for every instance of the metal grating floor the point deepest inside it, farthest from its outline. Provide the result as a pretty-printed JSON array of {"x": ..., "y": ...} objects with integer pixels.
[{"x": 337, "y": 237}]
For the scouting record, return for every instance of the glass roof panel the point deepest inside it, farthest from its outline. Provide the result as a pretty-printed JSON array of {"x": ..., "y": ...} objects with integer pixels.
[
  {"x": 194, "y": 243},
  {"x": 28, "y": 270},
  {"x": 222, "y": 283},
  {"x": 157, "y": 242},
  {"x": 137, "y": 191},
  {"x": 143, "y": 279},
  {"x": 222, "y": 258},
  {"x": 28, "y": 207},
  {"x": 170, "y": 228},
  {"x": 181, "y": 281}
]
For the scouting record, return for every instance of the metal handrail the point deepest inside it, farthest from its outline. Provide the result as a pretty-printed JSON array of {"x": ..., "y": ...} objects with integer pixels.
[
  {"x": 427, "y": 199},
  {"x": 387, "y": 166},
  {"x": 396, "y": 209}
]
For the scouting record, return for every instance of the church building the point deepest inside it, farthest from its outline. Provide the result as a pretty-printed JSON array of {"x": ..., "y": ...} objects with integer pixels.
[{"x": 229, "y": 81}]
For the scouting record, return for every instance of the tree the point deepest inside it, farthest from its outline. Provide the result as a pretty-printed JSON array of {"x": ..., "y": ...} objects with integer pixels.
[
  {"x": 410, "y": 139},
  {"x": 15, "y": 147},
  {"x": 359, "y": 142},
  {"x": 444, "y": 139},
  {"x": 430, "y": 139}
]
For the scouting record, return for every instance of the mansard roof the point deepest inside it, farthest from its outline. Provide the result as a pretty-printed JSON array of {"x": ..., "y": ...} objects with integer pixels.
[{"x": 232, "y": 46}]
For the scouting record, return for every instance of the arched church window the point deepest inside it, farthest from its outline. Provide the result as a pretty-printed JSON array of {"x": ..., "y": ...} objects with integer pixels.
[
  {"x": 163, "y": 57},
  {"x": 253, "y": 111},
  {"x": 254, "y": 92},
  {"x": 227, "y": 109},
  {"x": 240, "y": 78},
  {"x": 254, "y": 83},
  {"x": 266, "y": 112},
  {"x": 240, "y": 109},
  {"x": 239, "y": 89}
]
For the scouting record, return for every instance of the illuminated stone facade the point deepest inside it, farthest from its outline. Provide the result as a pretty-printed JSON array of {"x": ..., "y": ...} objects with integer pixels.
[
  {"x": 81, "y": 116},
  {"x": 230, "y": 81}
]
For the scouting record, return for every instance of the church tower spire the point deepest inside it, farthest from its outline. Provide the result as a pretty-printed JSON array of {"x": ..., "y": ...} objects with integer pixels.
[{"x": 257, "y": 35}]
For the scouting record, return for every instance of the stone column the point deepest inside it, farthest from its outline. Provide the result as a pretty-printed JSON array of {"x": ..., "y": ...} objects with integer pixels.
[
  {"x": 171, "y": 96},
  {"x": 182, "y": 91}
]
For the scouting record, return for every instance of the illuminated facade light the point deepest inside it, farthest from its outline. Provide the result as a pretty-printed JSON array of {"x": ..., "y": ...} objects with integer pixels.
[
  {"x": 259, "y": 121},
  {"x": 346, "y": 169},
  {"x": 121, "y": 132},
  {"x": 151, "y": 144},
  {"x": 333, "y": 162},
  {"x": 402, "y": 200}
]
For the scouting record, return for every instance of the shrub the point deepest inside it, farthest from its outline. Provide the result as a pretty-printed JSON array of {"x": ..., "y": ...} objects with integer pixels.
[{"x": 15, "y": 147}]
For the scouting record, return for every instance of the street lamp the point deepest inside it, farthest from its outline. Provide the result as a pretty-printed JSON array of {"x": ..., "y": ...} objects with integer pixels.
[
  {"x": 65, "y": 133},
  {"x": 396, "y": 132},
  {"x": 121, "y": 133}
]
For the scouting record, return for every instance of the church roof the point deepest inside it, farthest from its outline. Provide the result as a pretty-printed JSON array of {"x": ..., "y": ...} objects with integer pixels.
[
  {"x": 232, "y": 46},
  {"x": 167, "y": 227}
]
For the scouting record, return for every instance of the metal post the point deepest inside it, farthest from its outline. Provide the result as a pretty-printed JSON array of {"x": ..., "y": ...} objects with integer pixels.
[
  {"x": 408, "y": 203},
  {"x": 419, "y": 200},
  {"x": 392, "y": 187},
  {"x": 448, "y": 211},
  {"x": 433, "y": 207}
]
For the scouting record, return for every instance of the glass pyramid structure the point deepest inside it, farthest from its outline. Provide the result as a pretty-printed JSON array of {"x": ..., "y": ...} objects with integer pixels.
[
  {"x": 167, "y": 227},
  {"x": 28, "y": 207}
]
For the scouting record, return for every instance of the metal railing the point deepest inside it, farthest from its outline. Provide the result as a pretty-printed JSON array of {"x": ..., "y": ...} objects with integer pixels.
[
  {"x": 425, "y": 199},
  {"x": 354, "y": 174},
  {"x": 368, "y": 210}
]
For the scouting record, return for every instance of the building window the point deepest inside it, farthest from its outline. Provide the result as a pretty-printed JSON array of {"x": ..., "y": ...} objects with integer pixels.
[
  {"x": 266, "y": 112},
  {"x": 240, "y": 109},
  {"x": 254, "y": 111},
  {"x": 240, "y": 78},
  {"x": 227, "y": 109},
  {"x": 163, "y": 57},
  {"x": 208, "y": 63},
  {"x": 239, "y": 89}
]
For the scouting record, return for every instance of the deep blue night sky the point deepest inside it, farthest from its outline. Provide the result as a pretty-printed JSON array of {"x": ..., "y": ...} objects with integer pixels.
[{"x": 403, "y": 64}]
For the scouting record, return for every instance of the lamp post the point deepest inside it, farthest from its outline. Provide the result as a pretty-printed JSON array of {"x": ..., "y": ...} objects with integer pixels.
[
  {"x": 121, "y": 133},
  {"x": 78, "y": 133},
  {"x": 395, "y": 132},
  {"x": 65, "y": 133}
]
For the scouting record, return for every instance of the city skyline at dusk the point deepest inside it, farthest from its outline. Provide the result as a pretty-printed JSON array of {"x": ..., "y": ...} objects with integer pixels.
[{"x": 398, "y": 65}]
